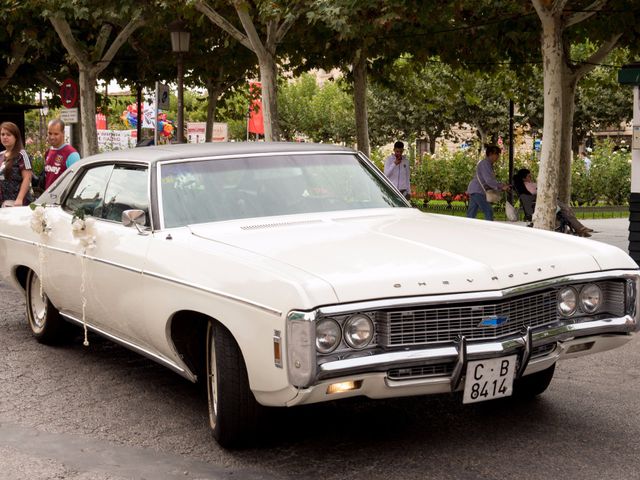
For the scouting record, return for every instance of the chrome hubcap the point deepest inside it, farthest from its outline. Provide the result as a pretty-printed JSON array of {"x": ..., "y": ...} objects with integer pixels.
[
  {"x": 213, "y": 380},
  {"x": 37, "y": 303}
]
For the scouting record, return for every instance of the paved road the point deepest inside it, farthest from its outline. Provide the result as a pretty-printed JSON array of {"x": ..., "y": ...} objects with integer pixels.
[{"x": 104, "y": 413}]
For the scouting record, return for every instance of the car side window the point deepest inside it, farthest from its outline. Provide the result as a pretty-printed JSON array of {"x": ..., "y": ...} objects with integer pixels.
[
  {"x": 88, "y": 194},
  {"x": 128, "y": 189}
]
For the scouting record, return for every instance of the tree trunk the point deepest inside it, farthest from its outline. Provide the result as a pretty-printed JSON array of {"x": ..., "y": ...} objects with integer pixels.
[
  {"x": 213, "y": 92},
  {"x": 360, "y": 101},
  {"x": 552, "y": 60},
  {"x": 76, "y": 135},
  {"x": 268, "y": 79},
  {"x": 91, "y": 62},
  {"x": 569, "y": 84},
  {"x": 88, "y": 111},
  {"x": 482, "y": 135},
  {"x": 265, "y": 50}
]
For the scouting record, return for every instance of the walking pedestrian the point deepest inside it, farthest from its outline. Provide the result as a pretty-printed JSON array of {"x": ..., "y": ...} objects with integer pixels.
[
  {"x": 396, "y": 169},
  {"x": 484, "y": 179}
]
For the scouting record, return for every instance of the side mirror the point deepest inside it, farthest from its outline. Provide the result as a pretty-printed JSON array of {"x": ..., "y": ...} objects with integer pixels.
[{"x": 134, "y": 217}]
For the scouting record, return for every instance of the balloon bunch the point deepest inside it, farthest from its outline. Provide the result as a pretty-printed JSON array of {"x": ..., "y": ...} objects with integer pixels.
[
  {"x": 130, "y": 119},
  {"x": 130, "y": 116},
  {"x": 165, "y": 127}
]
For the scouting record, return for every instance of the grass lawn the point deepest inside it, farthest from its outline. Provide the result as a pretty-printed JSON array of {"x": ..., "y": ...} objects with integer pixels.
[{"x": 460, "y": 209}]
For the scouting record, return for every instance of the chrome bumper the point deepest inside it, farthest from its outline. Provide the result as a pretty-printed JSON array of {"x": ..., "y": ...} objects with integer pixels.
[
  {"x": 479, "y": 350},
  {"x": 571, "y": 340}
]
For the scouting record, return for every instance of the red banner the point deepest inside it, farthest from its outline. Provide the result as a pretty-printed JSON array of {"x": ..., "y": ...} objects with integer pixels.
[
  {"x": 101, "y": 121},
  {"x": 256, "y": 121}
]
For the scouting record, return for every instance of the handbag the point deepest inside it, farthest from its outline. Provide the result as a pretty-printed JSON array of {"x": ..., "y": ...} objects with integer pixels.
[
  {"x": 510, "y": 211},
  {"x": 493, "y": 196}
]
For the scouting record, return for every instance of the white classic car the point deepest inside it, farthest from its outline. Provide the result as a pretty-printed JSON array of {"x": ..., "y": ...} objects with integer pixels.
[{"x": 288, "y": 274}]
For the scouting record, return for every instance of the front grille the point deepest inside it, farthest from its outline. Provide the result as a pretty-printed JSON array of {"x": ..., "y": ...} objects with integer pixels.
[
  {"x": 424, "y": 371},
  {"x": 446, "y": 369},
  {"x": 444, "y": 324},
  {"x": 615, "y": 298},
  {"x": 434, "y": 324}
]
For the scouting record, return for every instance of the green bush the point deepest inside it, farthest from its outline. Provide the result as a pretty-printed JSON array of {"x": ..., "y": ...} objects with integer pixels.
[
  {"x": 446, "y": 175},
  {"x": 610, "y": 173},
  {"x": 583, "y": 191},
  {"x": 608, "y": 180},
  {"x": 377, "y": 157},
  {"x": 37, "y": 158}
]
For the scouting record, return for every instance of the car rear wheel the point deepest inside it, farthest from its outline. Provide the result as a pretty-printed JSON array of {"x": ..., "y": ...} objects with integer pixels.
[
  {"x": 233, "y": 410},
  {"x": 534, "y": 384},
  {"x": 45, "y": 322}
]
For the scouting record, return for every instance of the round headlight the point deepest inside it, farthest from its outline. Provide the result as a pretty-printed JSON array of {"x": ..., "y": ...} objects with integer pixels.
[
  {"x": 358, "y": 331},
  {"x": 328, "y": 335},
  {"x": 567, "y": 301},
  {"x": 590, "y": 298}
]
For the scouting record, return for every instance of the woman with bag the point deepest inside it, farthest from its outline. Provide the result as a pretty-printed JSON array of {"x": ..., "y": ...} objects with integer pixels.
[
  {"x": 484, "y": 189},
  {"x": 15, "y": 168}
]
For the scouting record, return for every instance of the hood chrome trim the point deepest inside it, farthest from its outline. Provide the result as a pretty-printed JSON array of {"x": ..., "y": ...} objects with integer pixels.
[{"x": 479, "y": 295}]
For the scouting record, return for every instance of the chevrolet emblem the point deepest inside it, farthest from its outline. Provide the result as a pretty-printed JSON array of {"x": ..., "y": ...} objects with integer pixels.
[{"x": 494, "y": 321}]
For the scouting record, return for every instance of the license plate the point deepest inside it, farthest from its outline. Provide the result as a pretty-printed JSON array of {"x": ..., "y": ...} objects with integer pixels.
[{"x": 489, "y": 379}]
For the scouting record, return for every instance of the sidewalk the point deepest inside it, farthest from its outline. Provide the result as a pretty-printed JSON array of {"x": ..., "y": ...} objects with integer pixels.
[{"x": 614, "y": 231}]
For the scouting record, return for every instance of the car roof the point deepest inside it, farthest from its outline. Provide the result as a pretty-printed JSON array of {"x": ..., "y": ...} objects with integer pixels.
[{"x": 200, "y": 150}]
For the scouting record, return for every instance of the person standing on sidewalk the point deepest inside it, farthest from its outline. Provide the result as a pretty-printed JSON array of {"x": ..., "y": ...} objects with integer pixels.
[
  {"x": 483, "y": 180},
  {"x": 60, "y": 156},
  {"x": 15, "y": 168},
  {"x": 396, "y": 169}
]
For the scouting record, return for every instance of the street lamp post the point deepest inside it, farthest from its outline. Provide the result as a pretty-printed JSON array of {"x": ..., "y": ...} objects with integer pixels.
[
  {"x": 180, "y": 45},
  {"x": 44, "y": 111},
  {"x": 630, "y": 75}
]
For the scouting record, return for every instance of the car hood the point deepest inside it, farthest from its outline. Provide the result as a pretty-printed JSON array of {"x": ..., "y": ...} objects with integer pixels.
[{"x": 403, "y": 252}]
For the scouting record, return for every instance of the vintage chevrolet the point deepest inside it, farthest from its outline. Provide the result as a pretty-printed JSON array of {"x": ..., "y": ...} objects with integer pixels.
[{"x": 287, "y": 274}]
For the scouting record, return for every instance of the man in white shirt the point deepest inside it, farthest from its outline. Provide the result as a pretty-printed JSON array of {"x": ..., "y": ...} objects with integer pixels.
[{"x": 396, "y": 169}]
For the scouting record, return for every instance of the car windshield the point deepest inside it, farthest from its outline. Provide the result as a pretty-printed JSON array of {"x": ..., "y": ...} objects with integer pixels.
[{"x": 200, "y": 191}]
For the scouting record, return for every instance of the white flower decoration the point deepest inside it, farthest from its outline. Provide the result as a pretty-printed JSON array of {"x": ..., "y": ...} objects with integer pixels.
[
  {"x": 39, "y": 220},
  {"x": 83, "y": 229}
]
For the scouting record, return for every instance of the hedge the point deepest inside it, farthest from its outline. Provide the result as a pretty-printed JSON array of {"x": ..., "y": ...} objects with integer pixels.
[{"x": 446, "y": 175}]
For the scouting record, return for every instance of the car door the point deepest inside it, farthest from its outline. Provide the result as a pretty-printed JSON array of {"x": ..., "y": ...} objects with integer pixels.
[
  {"x": 114, "y": 269},
  {"x": 63, "y": 259}
]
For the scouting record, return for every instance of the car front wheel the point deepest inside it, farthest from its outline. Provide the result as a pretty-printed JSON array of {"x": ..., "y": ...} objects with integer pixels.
[
  {"x": 233, "y": 410},
  {"x": 45, "y": 322}
]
